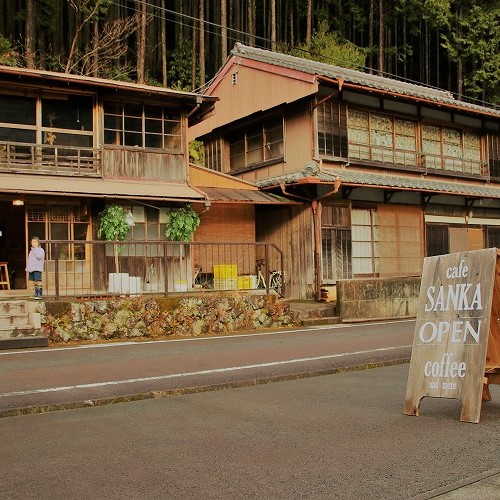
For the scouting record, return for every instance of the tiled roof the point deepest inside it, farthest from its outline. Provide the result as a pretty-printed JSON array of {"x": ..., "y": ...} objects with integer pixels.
[
  {"x": 232, "y": 195},
  {"x": 356, "y": 77},
  {"x": 388, "y": 181}
]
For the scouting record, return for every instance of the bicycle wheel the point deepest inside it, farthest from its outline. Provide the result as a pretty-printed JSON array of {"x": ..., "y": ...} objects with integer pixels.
[{"x": 276, "y": 281}]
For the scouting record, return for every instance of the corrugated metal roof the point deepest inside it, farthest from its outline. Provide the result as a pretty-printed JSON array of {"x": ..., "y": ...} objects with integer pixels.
[
  {"x": 101, "y": 82},
  {"x": 357, "y": 77},
  {"x": 358, "y": 178},
  {"x": 97, "y": 187},
  {"x": 245, "y": 196}
]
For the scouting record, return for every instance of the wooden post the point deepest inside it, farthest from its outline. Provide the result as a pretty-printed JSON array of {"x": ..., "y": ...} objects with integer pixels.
[{"x": 452, "y": 331}]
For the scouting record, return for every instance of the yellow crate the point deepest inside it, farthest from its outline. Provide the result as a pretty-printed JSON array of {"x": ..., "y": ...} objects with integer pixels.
[
  {"x": 225, "y": 271},
  {"x": 225, "y": 284},
  {"x": 247, "y": 282}
]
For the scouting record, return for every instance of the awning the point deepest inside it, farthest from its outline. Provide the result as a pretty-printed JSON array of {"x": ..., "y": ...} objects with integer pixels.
[
  {"x": 98, "y": 187},
  {"x": 400, "y": 182},
  {"x": 230, "y": 195}
]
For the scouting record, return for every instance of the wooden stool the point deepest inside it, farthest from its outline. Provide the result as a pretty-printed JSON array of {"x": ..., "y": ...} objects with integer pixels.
[{"x": 4, "y": 276}]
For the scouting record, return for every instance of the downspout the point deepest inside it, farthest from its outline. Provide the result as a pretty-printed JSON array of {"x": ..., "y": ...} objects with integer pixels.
[
  {"x": 317, "y": 232},
  {"x": 317, "y": 239},
  {"x": 317, "y": 243}
]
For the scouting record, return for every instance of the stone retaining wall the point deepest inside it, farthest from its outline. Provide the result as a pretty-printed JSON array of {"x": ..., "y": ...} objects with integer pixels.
[
  {"x": 377, "y": 298},
  {"x": 156, "y": 317}
]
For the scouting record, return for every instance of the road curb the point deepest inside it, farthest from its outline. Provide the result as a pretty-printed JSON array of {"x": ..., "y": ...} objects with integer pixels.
[
  {"x": 457, "y": 485},
  {"x": 37, "y": 409}
]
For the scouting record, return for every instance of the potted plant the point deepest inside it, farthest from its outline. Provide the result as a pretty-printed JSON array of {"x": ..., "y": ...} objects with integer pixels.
[
  {"x": 114, "y": 225},
  {"x": 182, "y": 224}
]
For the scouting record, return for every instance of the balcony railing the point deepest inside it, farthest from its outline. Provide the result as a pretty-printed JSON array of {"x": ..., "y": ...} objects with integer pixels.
[
  {"x": 410, "y": 160},
  {"x": 100, "y": 268},
  {"x": 48, "y": 159}
]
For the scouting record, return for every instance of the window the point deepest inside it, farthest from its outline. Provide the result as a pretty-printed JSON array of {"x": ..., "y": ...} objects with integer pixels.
[
  {"x": 448, "y": 238},
  {"x": 452, "y": 150},
  {"x": 66, "y": 119},
  {"x": 381, "y": 138},
  {"x": 60, "y": 223},
  {"x": 336, "y": 253},
  {"x": 364, "y": 242},
  {"x": 494, "y": 154},
  {"x": 257, "y": 144},
  {"x": 213, "y": 154},
  {"x": 332, "y": 129},
  {"x": 142, "y": 126}
]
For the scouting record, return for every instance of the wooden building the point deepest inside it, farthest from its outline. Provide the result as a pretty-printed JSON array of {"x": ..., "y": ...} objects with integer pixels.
[
  {"x": 386, "y": 172},
  {"x": 70, "y": 145}
]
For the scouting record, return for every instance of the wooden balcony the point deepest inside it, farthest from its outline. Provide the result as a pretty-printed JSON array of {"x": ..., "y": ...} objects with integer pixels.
[
  {"x": 51, "y": 160},
  {"x": 110, "y": 162}
]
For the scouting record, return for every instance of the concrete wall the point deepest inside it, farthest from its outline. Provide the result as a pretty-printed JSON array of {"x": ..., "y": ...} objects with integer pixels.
[{"x": 374, "y": 298}]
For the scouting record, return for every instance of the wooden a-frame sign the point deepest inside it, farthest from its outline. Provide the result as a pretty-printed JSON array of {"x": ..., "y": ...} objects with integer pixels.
[{"x": 456, "y": 346}]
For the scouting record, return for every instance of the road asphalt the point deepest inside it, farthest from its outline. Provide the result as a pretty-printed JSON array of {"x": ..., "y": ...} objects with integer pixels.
[{"x": 378, "y": 452}]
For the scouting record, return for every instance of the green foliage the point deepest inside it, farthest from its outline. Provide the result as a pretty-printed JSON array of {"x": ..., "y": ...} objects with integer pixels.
[
  {"x": 182, "y": 224},
  {"x": 475, "y": 40},
  {"x": 113, "y": 224},
  {"x": 196, "y": 152},
  {"x": 328, "y": 47},
  {"x": 8, "y": 55},
  {"x": 179, "y": 67},
  {"x": 120, "y": 73}
]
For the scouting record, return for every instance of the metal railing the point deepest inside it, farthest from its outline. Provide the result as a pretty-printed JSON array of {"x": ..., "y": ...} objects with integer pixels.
[
  {"x": 49, "y": 159},
  {"x": 103, "y": 268}
]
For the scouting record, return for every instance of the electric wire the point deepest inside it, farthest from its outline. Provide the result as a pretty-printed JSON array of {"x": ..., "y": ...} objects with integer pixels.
[{"x": 269, "y": 41}]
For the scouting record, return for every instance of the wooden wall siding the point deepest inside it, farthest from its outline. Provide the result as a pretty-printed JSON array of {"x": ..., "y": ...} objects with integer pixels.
[
  {"x": 254, "y": 91},
  {"x": 401, "y": 237},
  {"x": 144, "y": 164},
  {"x": 228, "y": 222},
  {"x": 299, "y": 146},
  {"x": 202, "y": 177},
  {"x": 291, "y": 229},
  {"x": 463, "y": 239}
]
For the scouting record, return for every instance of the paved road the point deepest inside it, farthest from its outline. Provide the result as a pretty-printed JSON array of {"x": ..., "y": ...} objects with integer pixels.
[
  {"x": 103, "y": 372},
  {"x": 339, "y": 436}
]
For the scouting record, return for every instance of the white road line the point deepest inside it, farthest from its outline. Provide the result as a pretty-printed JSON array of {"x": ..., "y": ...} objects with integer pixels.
[
  {"x": 194, "y": 339},
  {"x": 190, "y": 374}
]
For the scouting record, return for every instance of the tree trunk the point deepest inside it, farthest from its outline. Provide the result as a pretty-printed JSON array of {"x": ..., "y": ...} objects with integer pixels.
[
  {"x": 309, "y": 23},
  {"x": 381, "y": 37},
  {"x": 273, "y": 25},
  {"x": 202, "y": 43},
  {"x": 223, "y": 27},
  {"x": 141, "y": 41},
  {"x": 251, "y": 22},
  {"x": 194, "y": 45},
  {"x": 163, "y": 35},
  {"x": 370, "y": 37},
  {"x": 30, "y": 34},
  {"x": 95, "y": 49}
]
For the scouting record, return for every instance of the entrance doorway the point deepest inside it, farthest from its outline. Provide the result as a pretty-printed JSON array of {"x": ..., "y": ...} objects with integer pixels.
[{"x": 13, "y": 242}]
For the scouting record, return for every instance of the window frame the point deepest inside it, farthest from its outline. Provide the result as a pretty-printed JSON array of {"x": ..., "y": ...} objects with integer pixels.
[
  {"x": 242, "y": 136},
  {"x": 122, "y": 116}
]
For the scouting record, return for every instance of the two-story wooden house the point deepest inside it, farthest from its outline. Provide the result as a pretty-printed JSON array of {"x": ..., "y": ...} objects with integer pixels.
[
  {"x": 69, "y": 146},
  {"x": 387, "y": 171}
]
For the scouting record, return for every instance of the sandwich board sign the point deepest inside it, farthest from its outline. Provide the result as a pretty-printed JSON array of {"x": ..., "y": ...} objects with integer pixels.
[{"x": 452, "y": 331}]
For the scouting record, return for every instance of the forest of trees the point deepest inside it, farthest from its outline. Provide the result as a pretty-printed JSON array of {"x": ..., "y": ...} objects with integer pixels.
[{"x": 452, "y": 44}]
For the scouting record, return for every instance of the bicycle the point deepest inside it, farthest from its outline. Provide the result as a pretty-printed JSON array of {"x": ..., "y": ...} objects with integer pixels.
[{"x": 275, "y": 277}]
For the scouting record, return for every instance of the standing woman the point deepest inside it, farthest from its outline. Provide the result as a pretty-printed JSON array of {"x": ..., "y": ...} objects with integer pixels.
[{"x": 34, "y": 266}]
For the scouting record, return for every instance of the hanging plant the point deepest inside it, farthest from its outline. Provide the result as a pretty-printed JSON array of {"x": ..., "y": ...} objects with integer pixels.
[
  {"x": 114, "y": 225},
  {"x": 182, "y": 224}
]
